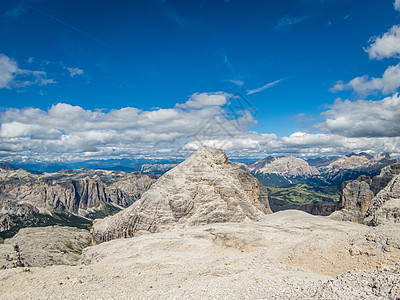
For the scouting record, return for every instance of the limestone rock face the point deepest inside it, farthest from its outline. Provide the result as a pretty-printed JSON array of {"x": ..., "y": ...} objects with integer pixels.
[
  {"x": 385, "y": 207},
  {"x": 372, "y": 201},
  {"x": 12, "y": 213},
  {"x": 73, "y": 191},
  {"x": 380, "y": 181},
  {"x": 355, "y": 199},
  {"x": 203, "y": 189}
]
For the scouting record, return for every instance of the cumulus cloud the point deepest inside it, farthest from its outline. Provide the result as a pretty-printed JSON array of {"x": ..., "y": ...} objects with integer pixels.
[
  {"x": 8, "y": 71},
  {"x": 387, "y": 45},
  {"x": 264, "y": 87},
  {"x": 71, "y": 131},
  {"x": 364, "y": 85},
  {"x": 200, "y": 100},
  {"x": 397, "y": 5},
  {"x": 66, "y": 132},
  {"x": 306, "y": 144},
  {"x": 11, "y": 76},
  {"x": 364, "y": 118},
  {"x": 75, "y": 71}
]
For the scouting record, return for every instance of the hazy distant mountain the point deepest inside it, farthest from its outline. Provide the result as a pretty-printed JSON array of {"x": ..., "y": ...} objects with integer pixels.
[
  {"x": 156, "y": 169},
  {"x": 285, "y": 171},
  {"x": 125, "y": 165},
  {"x": 7, "y": 166}
]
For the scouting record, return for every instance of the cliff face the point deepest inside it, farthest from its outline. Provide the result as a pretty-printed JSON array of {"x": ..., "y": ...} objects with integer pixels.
[
  {"x": 26, "y": 199},
  {"x": 203, "y": 189},
  {"x": 75, "y": 191},
  {"x": 372, "y": 201}
]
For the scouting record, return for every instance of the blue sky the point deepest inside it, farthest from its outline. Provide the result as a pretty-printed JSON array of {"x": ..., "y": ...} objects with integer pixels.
[{"x": 84, "y": 79}]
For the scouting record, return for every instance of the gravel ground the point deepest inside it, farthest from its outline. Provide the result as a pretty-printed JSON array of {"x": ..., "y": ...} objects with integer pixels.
[{"x": 292, "y": 255}]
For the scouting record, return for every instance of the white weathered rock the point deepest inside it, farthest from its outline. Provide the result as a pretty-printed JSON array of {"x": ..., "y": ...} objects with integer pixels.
[
  {"x": 355, "y": 199},
  {"x": 385, "y": 206},
  {"x": 372, "y": 201},
  {"x": 203, "y": 189},
  {"x": 286, "y": 255}
]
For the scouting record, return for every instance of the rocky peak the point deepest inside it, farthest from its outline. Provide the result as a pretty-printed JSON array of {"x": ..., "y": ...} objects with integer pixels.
[
  {"x": 374, "y": 201},
  {"x": 286, "y": 166},
  {"x": 361, "y": 160},
  {"x": 203, "y": 189}
]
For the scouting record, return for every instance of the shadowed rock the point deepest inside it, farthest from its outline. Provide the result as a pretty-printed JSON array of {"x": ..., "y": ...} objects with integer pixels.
[{"x": 372, "y": 201}]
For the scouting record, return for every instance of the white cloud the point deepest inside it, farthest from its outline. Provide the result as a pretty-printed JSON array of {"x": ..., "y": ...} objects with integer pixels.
[
  {"x": 200, "y": 100},
  {"x": 389, "y": 83},
  {"x": 236, "y": 81},
  {"x": 305, "y": 144},
  {"x": 288, "y": 21},
  {"x": 397, "y": 5},
  {"x": 387, "y": 45},
  {"x": 66, "y": 132},
  {"x": 264, "y": 87},
  {"x": 364, "y": 118},
  {"x": 8, "y": 71},
  {"x": 75, "y": 71},
  {"x": 11, "y": 76}
]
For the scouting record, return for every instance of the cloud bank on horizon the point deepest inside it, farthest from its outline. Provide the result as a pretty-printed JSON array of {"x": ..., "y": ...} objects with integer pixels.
[{"x": 66, "y": 132}]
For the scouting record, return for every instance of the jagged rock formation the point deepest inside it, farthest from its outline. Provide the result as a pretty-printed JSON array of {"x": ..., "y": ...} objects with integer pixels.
[
  {"x": 355, "y": 199},
  {"x": 350, "y": 167},
  {"x": 372, "y": 201},
  {"x": 25, "y": 198},
  {"x": 203, "y": 189},
  {"x": 45, "y": 246}
]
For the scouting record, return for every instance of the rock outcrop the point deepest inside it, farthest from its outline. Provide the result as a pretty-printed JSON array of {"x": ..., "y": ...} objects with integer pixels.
[
  {"x": 203, "y": 189},
  {"x": 355, "y": 199},
  {"x": 372, "y": 201},
  {"x": 45, "y": 246}
]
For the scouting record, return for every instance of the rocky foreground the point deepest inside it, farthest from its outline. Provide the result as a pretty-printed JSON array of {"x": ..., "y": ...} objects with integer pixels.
[{"x": 287, "y": 255}]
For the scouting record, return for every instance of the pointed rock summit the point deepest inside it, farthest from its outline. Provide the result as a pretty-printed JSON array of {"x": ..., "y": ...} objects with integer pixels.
[{"x": 204, "y": 189}]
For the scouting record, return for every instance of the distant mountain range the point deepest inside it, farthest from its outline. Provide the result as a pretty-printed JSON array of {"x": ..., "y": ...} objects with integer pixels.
[
  {"x": 271, "y": 171},
  {"x": 287, "y": 171}
]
